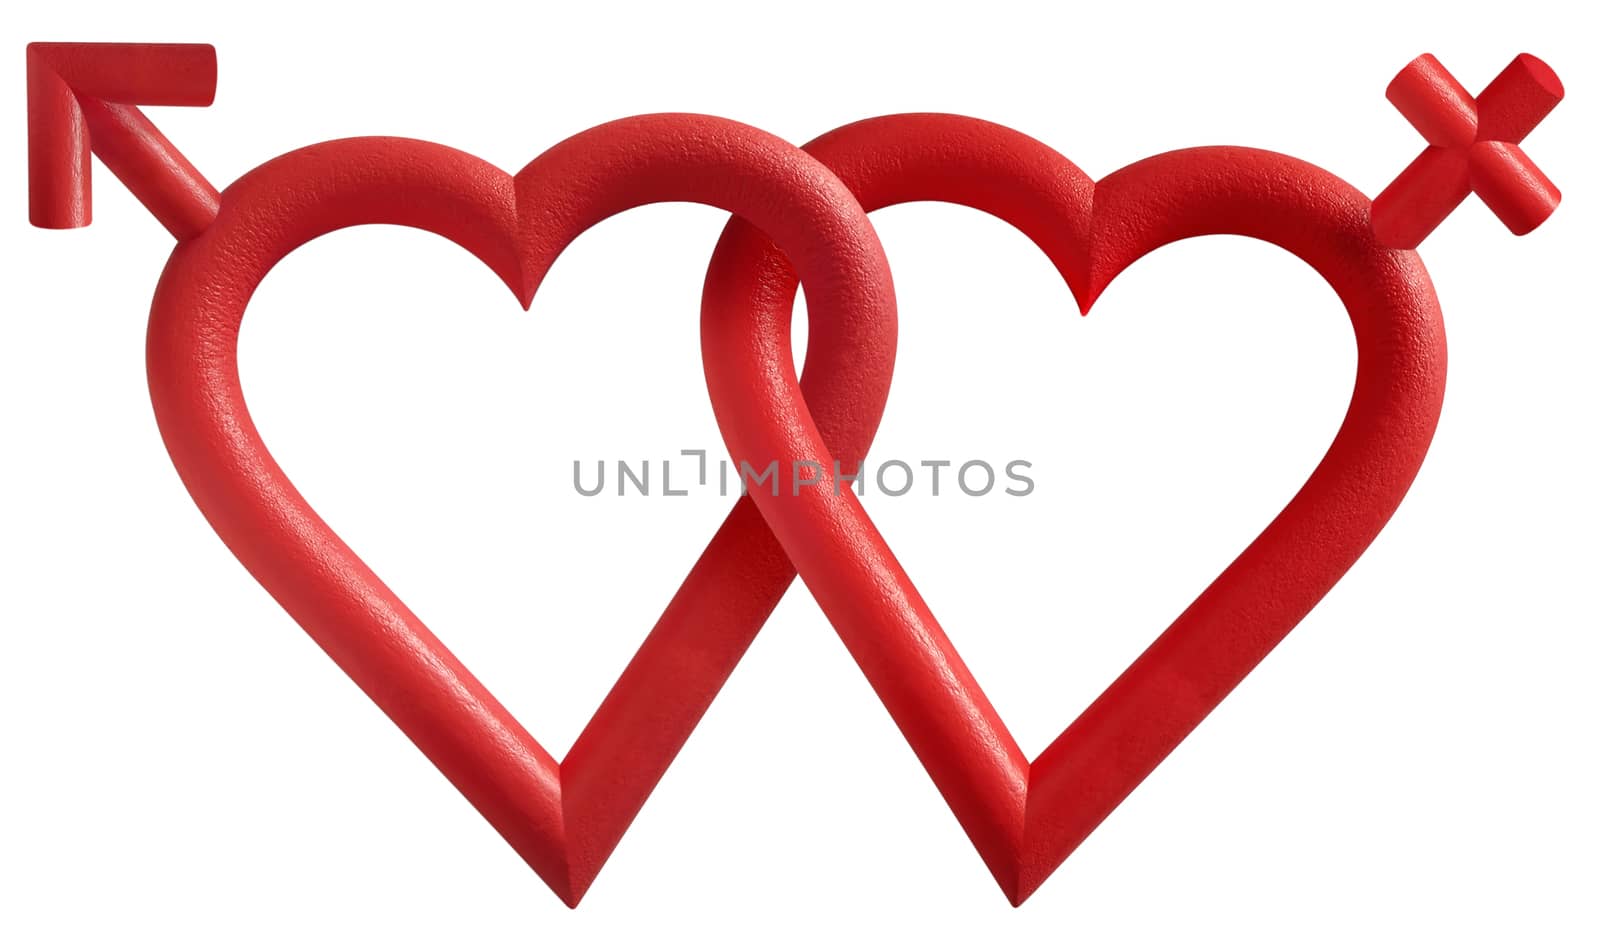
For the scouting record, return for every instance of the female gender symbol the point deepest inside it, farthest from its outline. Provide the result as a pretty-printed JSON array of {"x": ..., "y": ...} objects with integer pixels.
[{"x": 1472, "y": 147}]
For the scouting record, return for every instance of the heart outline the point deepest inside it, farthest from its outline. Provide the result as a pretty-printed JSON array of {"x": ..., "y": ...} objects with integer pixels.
[
  {"x": 1026, "y": 817},
  {"x": 563, "y": 818}
]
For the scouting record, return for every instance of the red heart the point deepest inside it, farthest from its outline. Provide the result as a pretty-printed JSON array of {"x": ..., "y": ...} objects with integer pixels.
[
  {"x": 1025, "y": 818},
  {"x": 564, "y": 819}
]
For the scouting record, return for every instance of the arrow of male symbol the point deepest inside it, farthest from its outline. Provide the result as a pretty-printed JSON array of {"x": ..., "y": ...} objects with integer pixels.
[{"x": 83, "y": 97}]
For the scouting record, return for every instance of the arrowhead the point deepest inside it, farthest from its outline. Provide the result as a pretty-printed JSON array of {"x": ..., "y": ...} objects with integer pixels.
[{"x": 81, "y": 97}]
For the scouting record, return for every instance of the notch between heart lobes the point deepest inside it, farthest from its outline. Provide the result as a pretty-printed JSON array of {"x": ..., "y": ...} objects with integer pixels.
[{"x": 565, "y": 818}]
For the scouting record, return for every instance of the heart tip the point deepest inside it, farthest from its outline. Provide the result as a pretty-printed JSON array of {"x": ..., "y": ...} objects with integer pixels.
[
  {"x": 1018, "y": 887},
  {"x": 572, "y": 893},
  {"x": 1019, "y": 895},
  {"x": 1011, "y": 886},
  {"x": 568, "y": 896},
  {"x": 569, "y": 890}
]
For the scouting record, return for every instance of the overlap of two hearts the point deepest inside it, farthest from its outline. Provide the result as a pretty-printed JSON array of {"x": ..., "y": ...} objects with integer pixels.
[{"x": 799, "y": 219}]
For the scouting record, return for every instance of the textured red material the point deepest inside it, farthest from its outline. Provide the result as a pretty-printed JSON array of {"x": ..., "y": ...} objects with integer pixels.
[
  {"x": 1025, "y": 818},
  {"x": 565, "y": 818},
  {"x": 799, "y": 222},
  {"x": 1472, "y": 147},
  {"x": 81, "y": 96}
]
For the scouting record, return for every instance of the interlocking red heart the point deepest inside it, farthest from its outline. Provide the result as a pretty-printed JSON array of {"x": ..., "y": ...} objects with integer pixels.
[
  {"x": 1025, "y": 818},
  {"x": 800, "y": 218}
]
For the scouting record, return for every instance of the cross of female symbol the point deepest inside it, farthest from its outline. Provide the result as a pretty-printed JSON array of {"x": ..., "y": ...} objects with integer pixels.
[{"x": 1472, "y": 147}]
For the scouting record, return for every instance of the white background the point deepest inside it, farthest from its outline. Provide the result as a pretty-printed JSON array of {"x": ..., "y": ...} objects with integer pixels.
[{"x": 180, "y": 764}]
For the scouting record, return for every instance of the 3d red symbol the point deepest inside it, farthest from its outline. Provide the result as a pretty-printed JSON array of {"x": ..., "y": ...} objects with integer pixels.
[
  {"x": 1473, "y": 147},
  {"x": 82, "y": 97},
  {"x": 800, "y": 217},
  {"x": 1026, "y": 817}
]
